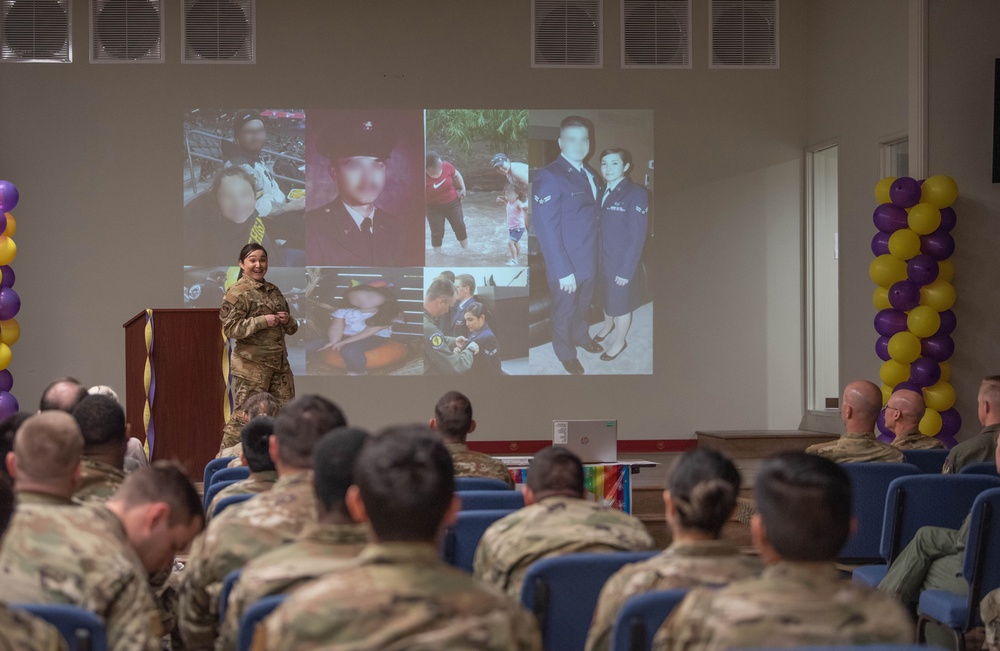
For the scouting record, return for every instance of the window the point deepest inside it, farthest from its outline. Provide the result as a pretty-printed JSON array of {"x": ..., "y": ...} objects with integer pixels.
[
  {"x": 822, "y": 280},
  {"x": 894, "y": 154}
]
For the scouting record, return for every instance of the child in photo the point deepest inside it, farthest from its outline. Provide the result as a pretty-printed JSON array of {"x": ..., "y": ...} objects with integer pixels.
[
  {"x": 486, "y": 360},
  {"x": 517, "y": 221},
  {"x": 362, "y": 323}
]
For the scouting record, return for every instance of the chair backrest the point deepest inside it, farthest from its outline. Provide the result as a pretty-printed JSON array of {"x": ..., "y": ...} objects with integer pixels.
[
  {"x": 228, "y": 501},
  {"x": 981, "y": 565},
  {"x": 230, "y": 474},
  {"x": 253, "y": 616},
  {"x": 870, "y": 483},
  {"x": 562, "y": 593},
  {"x": 640, "y": 618},
  {"x": 927, "y": 500},
  {"x": 215, "y": 489},
  {"x": 480, "y": 484},
  {"x": 82, "y": 629},
  {"x": 491, "y": 500},
  {"x": 227, "y": 587},
  {"x": 929, "y": 461},
  {"x": 461, "y": 540},
  {"x": 984, "y": 468},
  {"x": 213, "y": 466}
]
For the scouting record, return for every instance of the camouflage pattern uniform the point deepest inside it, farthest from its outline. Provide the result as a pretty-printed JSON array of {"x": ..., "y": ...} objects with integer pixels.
[
  {"x": 931, "y": 561},
  {"x": 789, "y": 605},
  {"x": 321, "y": 549},
  {"x": 682, "y": 565},
  {"x": 411, "y": 600},
  {"x": 469, "y": 463},
  {"x": 256, "y": 483},
  {"x": 59, "y": 552},
  {"x": 19, "y": 631},
  {"x": 260, "y": 359},
  {"x": 553, "y": 527},
  {"x": 981, "y": 447},
  {"x": 990, "y": 610},
  {"x": 98, "y": 482},
  {"x": 856, "y": 447},
  {"x": 239, "y": 534},
  {"x": 916, "y": 441}
]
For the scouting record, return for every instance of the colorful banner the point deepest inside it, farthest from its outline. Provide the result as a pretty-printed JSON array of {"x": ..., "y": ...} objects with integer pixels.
[{"x": 610, "y": 484}]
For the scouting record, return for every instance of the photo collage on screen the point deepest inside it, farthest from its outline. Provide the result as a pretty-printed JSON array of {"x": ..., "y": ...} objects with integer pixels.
[{"x": 438, "y": 241}]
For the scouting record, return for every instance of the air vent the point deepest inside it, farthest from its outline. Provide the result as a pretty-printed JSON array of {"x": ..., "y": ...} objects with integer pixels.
[
  {"x": 36, "y": 31},
  {"x": 566, "y": 34},
  {"x": 219, "y": 31},
  {"x": 744, "y": 34},
  {"x": 126, "y": 31},
  {"x": 656, "y": 33}
]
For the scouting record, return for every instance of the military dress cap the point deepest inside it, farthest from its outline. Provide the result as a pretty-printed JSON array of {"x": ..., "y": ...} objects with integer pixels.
[
  {"x": 498, "y": 159},
  {"x": 360, "y": 136},
  {"x": 242, "y": 117}
]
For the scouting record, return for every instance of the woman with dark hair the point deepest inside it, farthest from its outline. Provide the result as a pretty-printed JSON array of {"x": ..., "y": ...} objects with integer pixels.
[
  {"x": 484, "y": 343},
  {"x": 363, "y": 322},
  {"x": 444, "y": 188},
  {"x": 255, "y": 314}
]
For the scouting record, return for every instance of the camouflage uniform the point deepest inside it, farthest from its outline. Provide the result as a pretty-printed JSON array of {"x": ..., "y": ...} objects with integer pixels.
[
  {"x": 916, "y": 441},
  {"x": 257, "y": 482},
  {"x": 682, "y": 565},
  {"x": 411, "y": 600},
  {"x": 19, "y": 631},
  {"x": 59, "y": 552},
  {"x": 978, "y": 449},
  {"x": 469, "y": 463},
  {"x": 440, "y": 357},
  {"x": 789, "y": 605},
  {"x": 239, "y": 534},
  {"x": 260, "y": 359},
  {"x": 990, "y": 610},
  {"x": 931, "y": 561},
  {"x": 98, "y": 482},
  {"x": 857, "y": 447},
  {"x": 553, "y": 527},
  {"x": 321, "y": 549}
]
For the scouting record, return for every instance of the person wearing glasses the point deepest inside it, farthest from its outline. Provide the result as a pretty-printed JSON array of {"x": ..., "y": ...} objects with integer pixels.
[{"x": 902, "y": 416}]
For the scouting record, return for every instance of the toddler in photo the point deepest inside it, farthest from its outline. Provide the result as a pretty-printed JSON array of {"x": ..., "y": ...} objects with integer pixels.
[
  {"x": 517, "y": 221},
  {"x": 362, "y": 323}
]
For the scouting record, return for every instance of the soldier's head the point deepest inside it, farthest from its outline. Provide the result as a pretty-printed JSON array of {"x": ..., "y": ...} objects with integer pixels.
[
  {"x": 701, "y": 492},
  {"x": 298, "y": 427},
  {"x": 256, "y": 439},
  {"x": 554, "y": 471},
  {"x": 439, "y": 297},
  {"x": 453, "y": 417},
  {"x": 102, "y": 423},
  {"x": 358, "y": 149},
  {"x": 261, "y": 403},
  {"x": 46, "y": 456},
  {"x": 8, "y": 428},
  {"x": 465, "y": 286},
  {"x": 253, "y": 261},
  {"x": 860, "y": 405},
  {"x": 161, "y": 512},
  {"x": 62, "y": 394},
  {"x": 249, "y": 131},
  {"x": 405, "y": 485},
  {"x": 335, "y": 456},
  {"x": 989, "y": 401},
  {"x": 803, "y": 508},
  {"x": 904, "y": 410},
  {"x": 574, "y": 138}
]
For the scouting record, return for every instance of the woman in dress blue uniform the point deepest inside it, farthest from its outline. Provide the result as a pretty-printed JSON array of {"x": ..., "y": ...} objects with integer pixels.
[
  {"x": 487, "y": 359},
  {"x": 623, "y": 222}
]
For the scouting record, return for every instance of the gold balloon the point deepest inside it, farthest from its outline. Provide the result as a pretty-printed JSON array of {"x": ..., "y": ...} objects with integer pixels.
[
  {"x": 946, "y": 270},
  {"x": 904, "y": 347},
  {"x": 880, "y": 298},
  {"x": 939, "y": 397},
  {"x": 882, "y": 189},
  {"x": 886, "y": 394},
  {"x": 939, "y": 295},
  {"x": 923, "y": 219},
  {"x": 886, "y": 270},
  {"x": 5, "y": 356},
  {"x": 8, "y": 250},
  {"x": 904, "y": 244},
  {"x": 892, "y": 372},
  {"x": 930, "y": 424},
  {"x": 11, "y": 225},
  {"x": 923, "y": 321},
  {"x": 10, "y": 331},
  {"x": 945, "y": 371},
  {"x": 939, "y": 191}
]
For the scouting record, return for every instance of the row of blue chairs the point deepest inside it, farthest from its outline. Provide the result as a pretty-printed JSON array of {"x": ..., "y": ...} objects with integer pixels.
[{"x": 82, "y": 629}]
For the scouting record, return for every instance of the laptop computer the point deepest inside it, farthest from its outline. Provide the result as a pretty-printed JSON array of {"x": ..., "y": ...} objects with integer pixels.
[{"x": 594, "y": 441}]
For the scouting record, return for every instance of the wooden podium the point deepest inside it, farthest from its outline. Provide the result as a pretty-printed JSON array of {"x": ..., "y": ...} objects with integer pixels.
[{"x": 187, "y": 388}]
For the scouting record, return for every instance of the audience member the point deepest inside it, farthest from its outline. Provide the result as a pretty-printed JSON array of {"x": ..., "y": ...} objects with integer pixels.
[
  {"x": 135, "y": 451},
  {"x": 261, "y": 403},
  {"x": 556, "y": 520},
  {"x": 254, "y": 454},
  {"x": 62, "y": 394},
  {"x": 803, "y": 520},
  {"x": 102, "y": 468},
  {"x": 902, "y": 415},
  {"x": 453, "y": 419},
  {"x": 8, "y": 428},
  {"x": 983, "y": 446},
  {"x": 400, "y": 594},
  {"x": 859, "y": 408}
]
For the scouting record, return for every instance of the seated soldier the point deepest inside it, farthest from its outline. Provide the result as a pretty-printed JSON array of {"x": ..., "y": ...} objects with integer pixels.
[
  {"x": 271, "y": 519},
  {"x": 990, "y": 611},
  {"x": 453, "y": 419},
  {"x": 255, "y": 438},
  {"x": 859, "y": 408},
  {"x": 62, "y": 394},
  {"x": 902, "y": 415},
  {"x": 982, "y": 446},
  {"x": 556, "y": 520},
  {"x": 399, "y": 594},
  {"x": 323, "y": 546},
  {"x": 135, "y": 450},
  {"x": 700, "y": 499},
  {"x": 803, "y": 520},
  {"x": 102, "y": 467},
  {"x": 261, "y": 403}
]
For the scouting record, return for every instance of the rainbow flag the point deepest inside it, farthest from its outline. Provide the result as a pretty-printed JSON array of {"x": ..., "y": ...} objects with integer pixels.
[{"x": 609, "y": 484}]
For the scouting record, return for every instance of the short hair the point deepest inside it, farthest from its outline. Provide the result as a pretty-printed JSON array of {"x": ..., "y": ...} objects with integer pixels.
[
  {"x": 333, "y": 464},
  {"x": 432, "y": 158},
  {"x": 49, "y": 402},
  {"x": 575, "y": 121},
  {"x": 453, "y": 414},
  {"x": 624, "y": 154},
  {"x": 467, "y": 281},
  {"x": 704, "y": 485},
  {"x": 804, "y": 501},
  {"x": 555, "y": 469},
  {"x": 261, "y": 403},
  {"x": 407, "y": 481},
  {"x": 989, "y": 391},
  {"x": 101, "y": 420},
  {"x": 440, "y": 288},
  {"x": 47, "y": 447},
  {"x": 162, "y": 481},
  {"x": 103, "y": 390},
  {"x": 6, "y": 506},
  {"x": 447, "y": 275},
  {"x": 255, "y": 437},
  {"x": 8, "y": 428},
  {"x": 299, "y": 426}
]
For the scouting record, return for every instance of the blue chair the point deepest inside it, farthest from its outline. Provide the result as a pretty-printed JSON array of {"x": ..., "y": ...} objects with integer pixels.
[
  {"x": 870, "y": 484},
  {"x": 984, "y": 468},
  {"x": 82, "y": 629},
  {"x": 214, "y": 490},
  {"x": 253, "y": 616},
  {"x": 980, "y": 567},
  {"x": 480, "y": 484},
  {"x": 231, "y": 474},
  {"x": 562, "y": 592},
  {"x": 640, "y": 618},
  {"x": 929, "y": 461},
  {"x": 491, "y": 500},
  {"x": 919, "y": 501},
  {"x": 226, "y": 502},
  {"x": 227, "y": 587},
  {"x": 461, "y": 540},
  {"x": 214, "y": 466}
]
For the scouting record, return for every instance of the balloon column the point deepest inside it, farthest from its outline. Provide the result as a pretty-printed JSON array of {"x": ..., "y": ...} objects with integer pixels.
[{"x": 913, "y": 271}]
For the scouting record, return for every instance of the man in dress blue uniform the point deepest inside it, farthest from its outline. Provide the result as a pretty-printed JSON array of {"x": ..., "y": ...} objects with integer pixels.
[
  {"x": 465, "y": 295},
  {"x": 565, "y": 214}
]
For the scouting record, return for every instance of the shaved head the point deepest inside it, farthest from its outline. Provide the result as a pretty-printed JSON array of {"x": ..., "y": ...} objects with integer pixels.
[
  {"x": 989, "y": 391},
  {"x": 861, "y": 403},
  {"x": 47, "y": 449},
  {"x": 910, "y": 406}
]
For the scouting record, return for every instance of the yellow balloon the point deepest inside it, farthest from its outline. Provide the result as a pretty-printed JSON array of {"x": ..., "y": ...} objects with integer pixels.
[
  {"x": 892, "y": 372},
  {"x": 8, "y": 250},
  {"x": 886, "y": 394},
  {"x": 939, "y": 295},
  {"x": 880, "y": 298},
  {"x": 904, "y": 244},
  {"x": 923, "y": 218},
  {"x": 11, "y": 225},
  {"x": 939, "y": 191},
  {"x": 923, "y": 321},
  {"x": 930, "y": 424},
  {"x": 5, "y": 356},
  {"x": 10, "y": 331},
  {"x": 882, "y": 189},
  {"x": 886, "y": 270},
  {"x": 945, "y": 371},
  {"x": 946, "y": 270},
  {"x": 904, "y": 347},
  {"x": 939, "y": 397}
]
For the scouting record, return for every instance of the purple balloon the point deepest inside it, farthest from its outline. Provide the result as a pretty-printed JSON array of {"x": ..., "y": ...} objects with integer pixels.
[
  {"x": 887, "y": 322},
  {"x": 949, "y": 441},
  {"x": 889, "y": 218},
  {"x": 880, "y": 243},
  {"x": 951, "y": 423},
  {"x": 937, "y": 347},
  {"x": 8, "y": 196},
  {"x": 922, "y": 270},
  {"x": 885, "y": 434},
  {"x": 8, "y": 276},
  {"x": 904, "y": 295},
  {"x": 905, "y": 192},
  {"x": 925, "y": 371},
  {"x": 948, "y": 219},
  {"x": 10, "y": 303},
  {"x": 939, "y": 245},
  {"x": 6, "y": 380},
  {"x": 8, "y": 405},
  {"x": 908, "y": 386},
  {"x": 948, "y": 323},
  {"x": 882, "y": 348}
]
